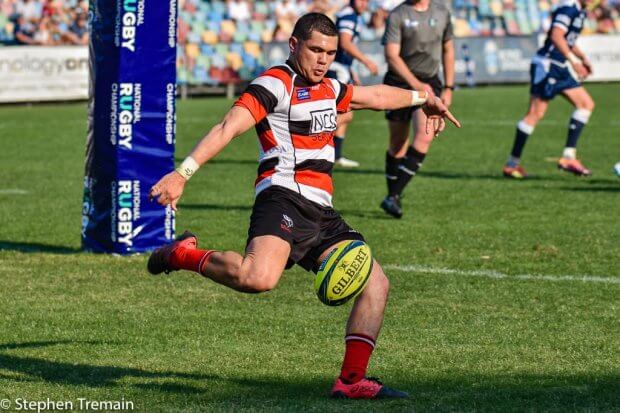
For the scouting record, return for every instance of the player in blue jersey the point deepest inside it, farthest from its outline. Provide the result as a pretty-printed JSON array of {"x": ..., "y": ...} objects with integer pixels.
[
  {"x": 558, "y": 68},
  {"x": 349, "y": 22}
]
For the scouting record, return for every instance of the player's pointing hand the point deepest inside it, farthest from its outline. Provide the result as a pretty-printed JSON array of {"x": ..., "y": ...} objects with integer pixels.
[
  {"x": 169, "y": 189},
  {"x": 436, "y": 113}
]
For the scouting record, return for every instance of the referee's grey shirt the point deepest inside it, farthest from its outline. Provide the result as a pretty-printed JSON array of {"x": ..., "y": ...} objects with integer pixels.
[{"x": 421, "y": 36}]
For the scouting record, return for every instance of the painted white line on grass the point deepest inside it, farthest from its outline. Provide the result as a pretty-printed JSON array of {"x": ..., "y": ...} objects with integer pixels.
[
  {"x": 12, "y": 270},
  {"x": 13, "y": 192},
  {"x": 499, "y": 122},
  {"x": 501, "y": 276}
]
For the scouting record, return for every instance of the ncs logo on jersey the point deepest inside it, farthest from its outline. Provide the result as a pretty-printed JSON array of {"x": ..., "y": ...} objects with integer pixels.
[
  {"x": 323, "y": 121},
  {"x": 303, "y": 94}
]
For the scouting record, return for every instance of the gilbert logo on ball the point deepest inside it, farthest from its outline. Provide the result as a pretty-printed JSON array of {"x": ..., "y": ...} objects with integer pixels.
[{"x": 344, "y": 273}]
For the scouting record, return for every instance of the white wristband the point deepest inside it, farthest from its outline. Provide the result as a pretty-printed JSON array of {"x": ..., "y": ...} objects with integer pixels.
[
  {"x": 572, "y": 58},
  {"x": 416, "y": 99},
  {"x": 188, "y": 167}
]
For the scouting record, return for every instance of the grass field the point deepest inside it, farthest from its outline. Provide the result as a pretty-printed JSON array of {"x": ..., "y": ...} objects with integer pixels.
[{"x": 505, "y": 295}]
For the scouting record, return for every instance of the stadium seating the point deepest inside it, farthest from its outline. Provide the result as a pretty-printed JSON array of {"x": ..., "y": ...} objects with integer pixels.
[{"x": 213, "y": 47}]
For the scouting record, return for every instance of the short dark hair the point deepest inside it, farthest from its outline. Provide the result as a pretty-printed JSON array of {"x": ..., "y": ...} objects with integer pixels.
[{"x": 311, "y": 22}]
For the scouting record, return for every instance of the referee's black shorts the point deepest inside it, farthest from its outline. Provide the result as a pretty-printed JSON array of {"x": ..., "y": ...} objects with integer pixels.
[
  {"x": 308, "y": 227},
  {"x": 405, "y": 114}
]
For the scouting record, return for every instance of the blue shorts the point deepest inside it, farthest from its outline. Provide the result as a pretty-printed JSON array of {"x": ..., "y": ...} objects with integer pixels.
[{"x": 548, "y": 78}]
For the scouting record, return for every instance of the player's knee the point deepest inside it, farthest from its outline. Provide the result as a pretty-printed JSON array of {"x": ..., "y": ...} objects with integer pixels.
[
  {"x": 264, "y": 284},
  {"x": 380, "y": 284},
  {"x": 588, "y": 104},
  {"x": 535, "y": 115},
  {"x": 258, "y": 281},
  {"x": 384, "y": 282},
  {"x": 422, "y": 138}
]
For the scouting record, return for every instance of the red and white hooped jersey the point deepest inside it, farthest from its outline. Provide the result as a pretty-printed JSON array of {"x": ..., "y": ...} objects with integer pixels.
[{"x": 295, "y": 122}]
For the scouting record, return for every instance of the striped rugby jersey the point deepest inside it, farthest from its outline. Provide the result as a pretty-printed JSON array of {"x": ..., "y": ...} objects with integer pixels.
[{"x": 295, "y": 123}]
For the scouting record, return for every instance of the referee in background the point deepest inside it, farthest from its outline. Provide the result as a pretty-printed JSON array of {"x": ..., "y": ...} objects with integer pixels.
[{"x": 418, "y": 36}]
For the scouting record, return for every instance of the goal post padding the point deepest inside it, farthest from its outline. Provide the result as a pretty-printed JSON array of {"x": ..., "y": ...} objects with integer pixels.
[{"x": 131, "y": 131}]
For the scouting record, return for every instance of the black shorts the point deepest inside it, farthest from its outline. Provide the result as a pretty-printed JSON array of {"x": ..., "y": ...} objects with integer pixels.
[
  {"x": 405, "y": 114},
  {"x": 308, "y": 227}
]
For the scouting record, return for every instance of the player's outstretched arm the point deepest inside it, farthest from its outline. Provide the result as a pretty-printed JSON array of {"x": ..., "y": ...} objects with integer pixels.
[
  {"x": 384, "y": 97},
  {"x": 170, "y": 187}
]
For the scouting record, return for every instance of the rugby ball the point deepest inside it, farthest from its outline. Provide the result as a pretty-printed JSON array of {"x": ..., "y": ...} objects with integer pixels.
[
  {"x": 344, "y": 273},
  {"x": 617, "y": 169}
]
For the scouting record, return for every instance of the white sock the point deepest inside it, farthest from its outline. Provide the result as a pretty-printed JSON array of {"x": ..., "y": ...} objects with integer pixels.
[
  {"x": 582, "y": 115},
  {"x": 569, "y": 153}
]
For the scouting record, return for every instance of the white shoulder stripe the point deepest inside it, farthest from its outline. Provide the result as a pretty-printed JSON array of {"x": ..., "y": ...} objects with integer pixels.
[
  {"x": 274, "y": 85},
  {"x": 335, "y": 86}
]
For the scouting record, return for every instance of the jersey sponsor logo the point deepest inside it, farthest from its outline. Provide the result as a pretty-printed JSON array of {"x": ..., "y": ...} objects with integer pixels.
[
  {"x": 303, "y": 94},
  {"x": 323, "y": 121},
  {"x": 411, "y": 24}
]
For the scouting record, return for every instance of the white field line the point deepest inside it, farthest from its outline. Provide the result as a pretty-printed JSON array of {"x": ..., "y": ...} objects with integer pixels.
[
  {"x": 13, "y": 192},
  {"x": 500, "y": 276},
  {"x": 499, "y": 122}
]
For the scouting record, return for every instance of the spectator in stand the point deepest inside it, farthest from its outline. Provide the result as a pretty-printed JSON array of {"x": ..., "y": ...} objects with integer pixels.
[
  {"x": 24, "y": 31},
  {"x": 29, "y": 10},
  {"x": 239, "y": 10},
  {"x": 78, "y": 31},
  {"x": 604, "y": 19},
  {"x": 301, "y": 7},
  {"x": 326, "y": 7},
  {"x": 380, "y": 15},
  {"x": 286, "y": 12},
  {"x": 281, "y": 33},
  {"x": 43, "y": 34},
  {"x": 7, "y": 8},
  {"x": 51, "y": 7}
]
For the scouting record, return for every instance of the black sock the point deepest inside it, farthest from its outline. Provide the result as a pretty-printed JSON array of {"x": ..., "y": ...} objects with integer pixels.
[
  {"x": 338, "y": 142},
  {"x": 407, "y": 169},
  {"x": 574, "y": 131},
  {"x": 523, "y": 132},
  {"x": 391, "y": 172}
]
